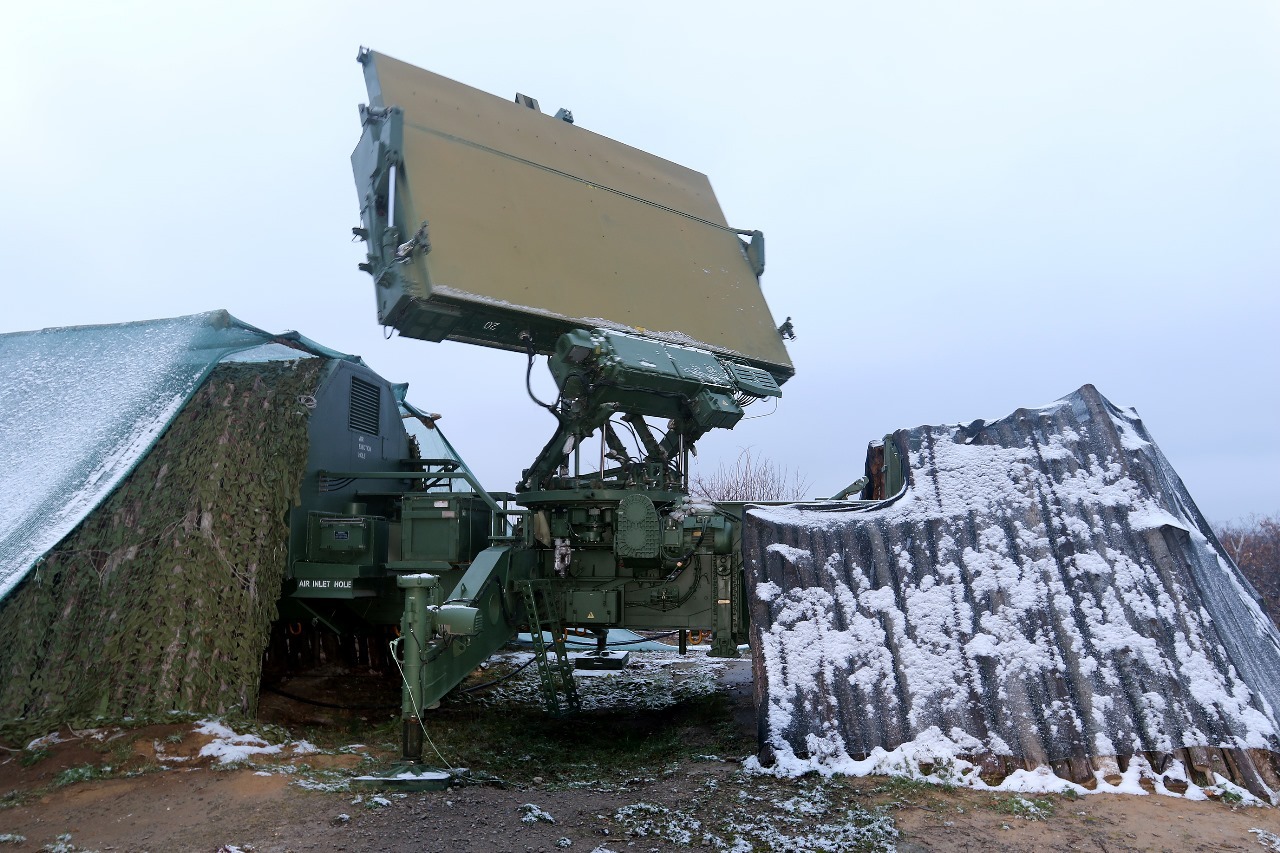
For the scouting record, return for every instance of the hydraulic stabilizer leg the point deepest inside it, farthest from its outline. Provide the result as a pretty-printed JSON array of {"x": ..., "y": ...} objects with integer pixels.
[
  {"x": 724, "y": 640},
  {"x": 603, "y": 657},
  {"x": 415, "y": 629}
]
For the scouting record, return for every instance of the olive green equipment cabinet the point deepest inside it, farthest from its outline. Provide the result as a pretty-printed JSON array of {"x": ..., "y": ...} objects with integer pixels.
[
  {"x": 440, "y": 531},
  {"x": 372, "y": 507},
  {"x": 342, "y": 556}
]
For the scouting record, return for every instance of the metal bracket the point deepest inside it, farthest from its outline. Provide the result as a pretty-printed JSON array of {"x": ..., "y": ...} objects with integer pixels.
[
  {"x": 419, "y": 242},
  {"x": 754, "y": 252},
  {"x": 318, "y": 618}
]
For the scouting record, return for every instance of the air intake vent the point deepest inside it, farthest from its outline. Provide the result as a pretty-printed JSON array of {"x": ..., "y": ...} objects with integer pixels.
[{"x": 366, "y": 404}]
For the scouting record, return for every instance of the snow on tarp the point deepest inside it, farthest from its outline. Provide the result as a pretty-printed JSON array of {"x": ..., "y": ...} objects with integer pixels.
[
  {"x": 79, "y": 406},
  {"x": 1043, "y": 592}
]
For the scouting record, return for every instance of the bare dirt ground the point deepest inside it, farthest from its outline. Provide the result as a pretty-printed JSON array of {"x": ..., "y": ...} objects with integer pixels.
[{"x": 654, "y": 776}]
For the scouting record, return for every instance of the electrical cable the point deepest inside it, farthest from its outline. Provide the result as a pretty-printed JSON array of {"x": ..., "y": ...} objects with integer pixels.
[
  {"x": 528, "y": 385},
  {"x": 641, "y": 640},
  {"x": 702, "y": 533},
  {"x": 621, "y": 643},
  {"x": 319, "y": 704},
  {"x": 766, "y": 414},
  {"x": 413, "y": 704},
  {"x": 635, "y": 435},
  {"x": 693, "y": 587},
  {"x": 495, "y": 682}
]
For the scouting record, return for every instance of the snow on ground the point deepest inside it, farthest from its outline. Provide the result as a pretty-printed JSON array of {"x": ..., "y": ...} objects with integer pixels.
[
  {"x": 1268, "y": 840},
  {"x": 651, "y": 680},
  {"x": 934, "y": 758},
  {"x": 230, "y": 747},
  {"x": 758, "y": 820}
]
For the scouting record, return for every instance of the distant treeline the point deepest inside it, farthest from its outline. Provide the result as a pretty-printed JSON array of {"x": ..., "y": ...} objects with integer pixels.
[{"x": 1254, "y": 543}]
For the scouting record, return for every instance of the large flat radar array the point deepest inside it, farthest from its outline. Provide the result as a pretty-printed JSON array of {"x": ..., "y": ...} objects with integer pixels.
[{"x": 525, "y": 222}]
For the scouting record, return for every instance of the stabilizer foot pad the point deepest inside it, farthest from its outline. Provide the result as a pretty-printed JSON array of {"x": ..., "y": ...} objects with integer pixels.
[
  {"x": 408, "y": 777},
  {"x": 602, "y": 660}
]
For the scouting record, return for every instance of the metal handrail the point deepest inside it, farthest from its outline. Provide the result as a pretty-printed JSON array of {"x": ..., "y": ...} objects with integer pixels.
[{"x": 425, "y": 475}]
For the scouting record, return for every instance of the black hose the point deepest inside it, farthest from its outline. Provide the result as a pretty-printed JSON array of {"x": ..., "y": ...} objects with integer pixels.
[
  {"x": 528, "y": 386},
  {"x": 631, "y": 642},
  {"x": 320, "y": 704},
  {"x": 641, "y": 640},
  {"x": 510, "y": 675}
]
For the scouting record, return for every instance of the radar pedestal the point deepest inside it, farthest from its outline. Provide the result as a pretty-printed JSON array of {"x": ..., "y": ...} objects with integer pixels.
[{"x": 490, "y": 223}]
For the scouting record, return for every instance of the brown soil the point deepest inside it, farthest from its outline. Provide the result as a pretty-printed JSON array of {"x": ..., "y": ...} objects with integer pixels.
[
  {"x": 203, "y": 809},
  {"x": 196, "y": 806}
]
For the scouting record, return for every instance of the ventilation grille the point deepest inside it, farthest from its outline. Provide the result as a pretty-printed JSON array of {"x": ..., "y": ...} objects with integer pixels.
[{"x": 366, "y": 404}]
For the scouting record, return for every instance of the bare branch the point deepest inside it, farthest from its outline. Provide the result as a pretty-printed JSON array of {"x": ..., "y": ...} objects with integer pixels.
[
  {"x": 750, "y": 478},
  {"x": 1253, "y": 543}
]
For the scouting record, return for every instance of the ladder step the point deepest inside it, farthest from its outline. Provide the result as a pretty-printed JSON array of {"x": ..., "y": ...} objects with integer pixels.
[{"x": 559, "y": 692}]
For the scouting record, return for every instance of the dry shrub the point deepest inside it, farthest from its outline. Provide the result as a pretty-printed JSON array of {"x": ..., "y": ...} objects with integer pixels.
[
  {"x": 1254, "y": 544},
  {"x": 751, "y": 478}
]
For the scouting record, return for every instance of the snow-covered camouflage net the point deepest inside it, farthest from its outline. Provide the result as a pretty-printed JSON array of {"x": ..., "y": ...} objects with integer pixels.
[
  {"x": 79, "y": 406},
  {"x": 162, "y": 598},
  {"x": 1044, "y": 593}
]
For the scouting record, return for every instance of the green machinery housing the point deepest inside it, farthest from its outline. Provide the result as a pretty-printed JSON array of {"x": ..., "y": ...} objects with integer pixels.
[{"x": 490, "y": 222}]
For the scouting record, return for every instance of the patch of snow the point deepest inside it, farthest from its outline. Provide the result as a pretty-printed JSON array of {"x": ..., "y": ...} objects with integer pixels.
[
  {"x": 329, "y": 786},
  {"x": 45, "y": 740},
  {"x": 673, "y": 337},
  {"x": 228, "y": 747},
  {"x": 938, "y": 759},
  {"x": 530, "y": 813},
  {"x": 1268, "y": 840}
]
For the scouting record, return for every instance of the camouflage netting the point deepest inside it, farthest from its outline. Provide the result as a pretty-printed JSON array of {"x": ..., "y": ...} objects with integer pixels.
[{"x": 162, "y": 599}]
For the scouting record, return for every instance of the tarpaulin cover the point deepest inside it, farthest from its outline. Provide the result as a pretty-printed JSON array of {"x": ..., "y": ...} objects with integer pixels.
[
  {"x": 432, "y": 443},
  {"x": 1044, "y": 587},
  {"x": 80, "y": 406}
]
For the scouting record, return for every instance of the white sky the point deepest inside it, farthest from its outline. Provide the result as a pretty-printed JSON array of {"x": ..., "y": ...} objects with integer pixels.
[{"x": 970, "y": 207}]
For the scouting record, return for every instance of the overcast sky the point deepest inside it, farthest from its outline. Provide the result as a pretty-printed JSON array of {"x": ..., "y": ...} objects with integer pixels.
[{"x": 969, "y": 206}]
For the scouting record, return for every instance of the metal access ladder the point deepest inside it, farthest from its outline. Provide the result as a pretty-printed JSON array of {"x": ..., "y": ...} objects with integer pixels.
[{"x": 559, "y": 693}]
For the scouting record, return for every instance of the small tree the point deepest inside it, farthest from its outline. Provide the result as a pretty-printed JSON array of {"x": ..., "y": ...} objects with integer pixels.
[
  {"x": 1254, "y": 545},
  {"x": 750, "y": 478}
]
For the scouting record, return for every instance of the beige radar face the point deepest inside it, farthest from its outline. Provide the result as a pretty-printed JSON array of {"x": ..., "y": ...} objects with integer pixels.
[{"x": 532, "y": 221}]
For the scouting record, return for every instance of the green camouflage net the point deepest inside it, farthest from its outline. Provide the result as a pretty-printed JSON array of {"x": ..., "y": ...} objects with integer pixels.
[{"x": 162, "y": 599}]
